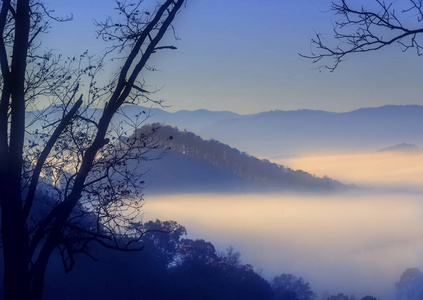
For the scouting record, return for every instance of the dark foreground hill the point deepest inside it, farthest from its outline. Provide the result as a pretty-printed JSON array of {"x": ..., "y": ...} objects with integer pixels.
[{"x": 193, "y": 164}]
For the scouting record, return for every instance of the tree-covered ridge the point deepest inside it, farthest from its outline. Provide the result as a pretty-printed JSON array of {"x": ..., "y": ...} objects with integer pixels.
[
  {"x": 174, "y": 267},
  {"x": 261, "y": 172}
]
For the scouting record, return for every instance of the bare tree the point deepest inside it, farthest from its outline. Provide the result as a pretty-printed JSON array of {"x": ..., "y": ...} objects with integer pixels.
[
  {"x": 68, "y": 174},
  {"x": 369, "y": 27}
]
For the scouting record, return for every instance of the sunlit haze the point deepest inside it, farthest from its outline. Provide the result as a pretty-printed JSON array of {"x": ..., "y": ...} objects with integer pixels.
[
  {"x": 384, "y": 169},
  {"x": 354, "y": 242}
]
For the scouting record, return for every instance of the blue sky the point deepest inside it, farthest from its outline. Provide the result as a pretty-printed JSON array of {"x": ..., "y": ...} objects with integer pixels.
[{"x": 242, "y": 55}]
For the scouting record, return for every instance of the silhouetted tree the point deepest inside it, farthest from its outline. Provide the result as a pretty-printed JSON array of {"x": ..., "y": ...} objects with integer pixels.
[
  {"x": 169, "y": 267},
  {"x": 69, "y": 153},
  {"x": 118, "y": 275},
  {"x": 410, "y": 285},
  {"x": 286, "y": 285},
  {"x": 369, "y": 27},
  {"x": 202, "y": 274}
]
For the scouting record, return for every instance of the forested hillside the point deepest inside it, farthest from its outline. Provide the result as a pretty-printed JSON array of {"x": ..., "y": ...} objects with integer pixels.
[{"x": 218, "y": 163}]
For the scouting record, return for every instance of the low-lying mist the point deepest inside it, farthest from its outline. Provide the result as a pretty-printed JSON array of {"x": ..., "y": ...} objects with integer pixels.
[
  {"x": 358, "y": 242},
  {"x": 379, "y": 169}
]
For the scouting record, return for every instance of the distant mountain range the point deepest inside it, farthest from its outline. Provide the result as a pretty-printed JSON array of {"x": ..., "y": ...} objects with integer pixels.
[
  {"x": 287, "y": 133},
  {"x": 195, "y": 165},
  {"x": 403, "y": 148},
  {"x": 284, "y": 133}
]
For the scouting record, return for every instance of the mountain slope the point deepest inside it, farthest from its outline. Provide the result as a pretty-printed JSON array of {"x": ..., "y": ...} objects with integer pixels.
[{"x": 196, "y": 165}]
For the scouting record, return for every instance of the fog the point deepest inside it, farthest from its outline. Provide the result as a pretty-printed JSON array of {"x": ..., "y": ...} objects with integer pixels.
[
  {"x": 379, "y": 169},
  {"x": 358, "y": 242}
]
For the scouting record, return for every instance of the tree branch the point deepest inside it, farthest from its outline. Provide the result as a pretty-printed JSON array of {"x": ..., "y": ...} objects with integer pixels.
[
  {"x": 65, "y": 121},
  {"x": 361, "y": 31}
]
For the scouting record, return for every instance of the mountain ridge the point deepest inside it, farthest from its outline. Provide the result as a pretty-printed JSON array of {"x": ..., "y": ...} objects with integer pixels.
[
  {"x": 292, "y": 132},
  {"x": 193, "y": 164}
]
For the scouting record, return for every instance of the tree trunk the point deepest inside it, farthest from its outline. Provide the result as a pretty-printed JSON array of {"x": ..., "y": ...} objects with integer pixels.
[
  {"x": 14, "y": 232},
  {"x": 15, "y": 251},
  {"x": 26, "y": 260},
  {"x": 39, "y": 272}
]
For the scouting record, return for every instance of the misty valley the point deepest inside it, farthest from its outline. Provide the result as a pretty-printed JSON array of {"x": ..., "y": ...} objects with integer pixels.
[
  {"x": 260, "y": 179},
  {"x": 346, "y": 223}
]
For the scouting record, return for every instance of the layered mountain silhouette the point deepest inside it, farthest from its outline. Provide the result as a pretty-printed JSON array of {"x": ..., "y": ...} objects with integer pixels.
[
  {"x": 267, "y": 134},
  {"x": 279, "y": 133},
  {"x": 192, "y": 164},
  {"x": 286, "y": 133}
]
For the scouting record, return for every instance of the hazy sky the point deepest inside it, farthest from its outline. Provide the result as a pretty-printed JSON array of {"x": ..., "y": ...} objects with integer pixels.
[{"x": 242, "y": 55}]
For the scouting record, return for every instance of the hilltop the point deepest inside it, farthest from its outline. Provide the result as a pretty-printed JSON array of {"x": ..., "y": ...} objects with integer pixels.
[{"x": 193, "y": 164}]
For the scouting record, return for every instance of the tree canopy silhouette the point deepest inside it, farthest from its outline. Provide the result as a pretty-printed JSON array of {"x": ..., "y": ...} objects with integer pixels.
[
  {"x": 170, "y": 267},
  {"x": 410, "y": 285},
  {"x": 63, "y": 177},
  {"x": 288, "y": 286}
]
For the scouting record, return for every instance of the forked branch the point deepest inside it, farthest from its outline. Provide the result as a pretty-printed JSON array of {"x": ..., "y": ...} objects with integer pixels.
[{"x": 364, "y": 29}]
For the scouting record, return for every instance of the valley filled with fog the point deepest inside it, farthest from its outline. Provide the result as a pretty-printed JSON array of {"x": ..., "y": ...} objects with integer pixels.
[
  {"x": 260, "y": 179},
  {"x": 334, "y": 198},
  {"x": 357, "y": 241}
]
